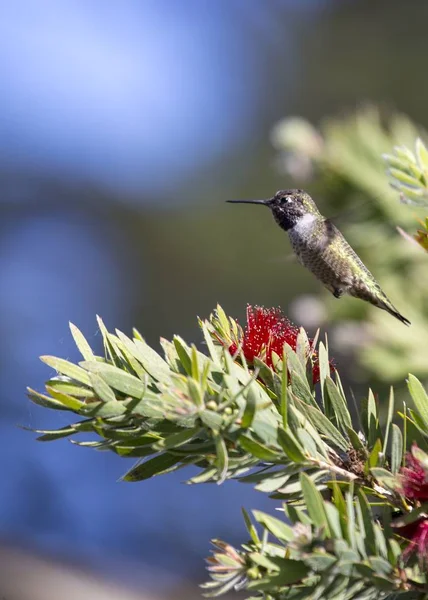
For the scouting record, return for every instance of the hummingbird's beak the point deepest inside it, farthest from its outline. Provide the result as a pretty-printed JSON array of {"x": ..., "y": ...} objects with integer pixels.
[{"x": 265, "y": 202}]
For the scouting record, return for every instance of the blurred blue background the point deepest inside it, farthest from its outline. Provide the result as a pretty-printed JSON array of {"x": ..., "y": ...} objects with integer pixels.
[{"x": 123, "y": 128}]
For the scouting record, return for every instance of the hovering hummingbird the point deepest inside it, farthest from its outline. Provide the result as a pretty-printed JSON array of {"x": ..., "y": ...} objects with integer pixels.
[{"x": 321, "y": 248}]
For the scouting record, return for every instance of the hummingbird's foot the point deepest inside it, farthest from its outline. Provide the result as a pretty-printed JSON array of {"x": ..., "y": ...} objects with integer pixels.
[{"x": 337, "y": 292}]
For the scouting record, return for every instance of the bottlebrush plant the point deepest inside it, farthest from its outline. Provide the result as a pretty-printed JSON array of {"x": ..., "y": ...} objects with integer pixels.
[{"x": 265, "y": 405}]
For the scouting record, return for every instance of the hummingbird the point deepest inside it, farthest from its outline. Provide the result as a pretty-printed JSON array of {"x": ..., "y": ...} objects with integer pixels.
[{"x": 322, "y": 249}]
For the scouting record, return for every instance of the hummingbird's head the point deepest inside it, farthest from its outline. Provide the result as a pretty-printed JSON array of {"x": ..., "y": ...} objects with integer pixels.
[{"x": 288, "y": 207}]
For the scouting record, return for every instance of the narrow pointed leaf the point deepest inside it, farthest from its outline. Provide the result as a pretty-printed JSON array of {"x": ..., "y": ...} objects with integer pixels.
[
  {"x": 396, "y": 448},
  {"x": 250, "y": 527},
  {"x": 314, "y": 503},
  {"x": 291, "y": 446},
  {"x": 45, "y": 401},
  {"x": 258, "y": 450},
  {"x": 222, "y": 458},
  {"x": 81, "y": 343},
  {"x": 251, "y": 396},
  {"x": 275, "y": 526},
  {"x": 163, "y": 463},
  {"x": 420, "y": 398},
  {"x": 67, "y": 368},
  {"x": 117, "y": 378},
  {"x": 284, "y": 399},
  {"x": 183, "y": 354},
  {"x": 102, "y": 390},
  {"x": 65, "y": 399},
  {"x": 338, "y": 404}
]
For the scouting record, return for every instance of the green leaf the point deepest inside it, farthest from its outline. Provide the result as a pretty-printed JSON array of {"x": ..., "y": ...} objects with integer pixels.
[
  {"x": 45, "y": 401},
  {"x": 291, "y": 571},
  {"x": 211, "y": 419},
  {"x": 65, "y": 399},
  {"x": 183, "y": 354},
  {"x": 338, "y": 404},
  {"x": 307, "y": 442},
  {"x": 151, "y": 361},
  {"x": 194, "y": 362},
  {"x": 314, "y": 503},
  {"x": 303, "y": 347},
  {"x": 327, "y": 428},
  {"x": 68, "y": 387},
  {"x": 177, "y": 439},
  {"x": 207, "y": 474},
  {"x": 295, "y": 365},
  {"x": 301, "y": 389},
  {"x": 272, "y": 482},
  {"x": 129, "y": 363},
  {"x": 105, "y": 409},
  {"x": 396, "y": 448},
  {"x": 117, "y": 378},
  {"x": 340, "y": 505},
  {"x": 284, "y": 399},
  {"x": 396, "y": 162},
  {"x": 209, "y": 342},
  {"x": 422, "y": 154},
  {"x": 67, "y": 368},
  {"x": 291, "y": 446},
  {"x": 384, "y": 477},
  {"x": 222, "y": 319},
  {"x": 404, "y": 178},
  {"x": 323, "y": 365},
  {"x": 275, "y": 526},
  {"x": 263, "y": 561},
  {"x": 101, "y": 389},
  {"x": 351, "y": 529},
  {"x": 55, "y": 434},
  {"x": 163, "y": 463},
  {"x": 251, "y": 396},
  {"x": 405, "y": 154},
  {"x": 110, "y": 349},
  {"x": 420, "y": 397},
  {"x": 195, "y": 392},
  {"x": 222, "y": 458},
  {"x": 250, "y": 527},
  {"x": 320, "y": 562},
  {"x": 372, "y": 420},
  {"x": 258, "y": 450},
  {"x": 389, "y": 418},
  {"x": 374, "y": 455},
  {"x": 381, "y": 547},
  {"x": 334, "y": 521},
  {"x": 81, "y": 343},
  {"x": 355, "y": 440},
  {"x": 367, "y": 522},
  {"x": 303, "y": 423}
]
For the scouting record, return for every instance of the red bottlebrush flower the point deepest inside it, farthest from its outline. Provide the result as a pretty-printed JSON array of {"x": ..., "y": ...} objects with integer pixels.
[
  {"x": 414, "y": 476},
  {"x": 266, "y": 331},
  {"x": 417, "y": 533}
]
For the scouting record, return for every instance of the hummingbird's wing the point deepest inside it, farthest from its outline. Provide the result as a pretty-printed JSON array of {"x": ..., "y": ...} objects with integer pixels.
[
  {"x": 327, "y": 233},
  {"x": 338, "y": 259}
]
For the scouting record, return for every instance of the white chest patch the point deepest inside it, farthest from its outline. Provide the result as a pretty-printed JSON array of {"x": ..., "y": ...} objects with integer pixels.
[{"x": 304, "y": 224}]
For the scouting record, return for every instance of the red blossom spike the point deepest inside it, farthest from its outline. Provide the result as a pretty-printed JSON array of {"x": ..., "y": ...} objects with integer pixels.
[
  {"x": 266, "y": 332},
  {"x": 414, "y": 477},
  {"x": 417, "y": 534}
]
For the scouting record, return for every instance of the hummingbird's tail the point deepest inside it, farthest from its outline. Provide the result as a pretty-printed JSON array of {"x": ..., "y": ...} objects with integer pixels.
[
  {"x": 386, "y": 305},
  {"x": 379, "y": 299}
]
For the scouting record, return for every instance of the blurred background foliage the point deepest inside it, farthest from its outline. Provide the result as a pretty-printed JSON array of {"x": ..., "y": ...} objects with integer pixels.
[{"x": 124, "y": 128}]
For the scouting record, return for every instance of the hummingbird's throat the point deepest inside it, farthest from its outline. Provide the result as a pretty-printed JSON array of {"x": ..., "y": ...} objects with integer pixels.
[{"x": 304, "y": 223}]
